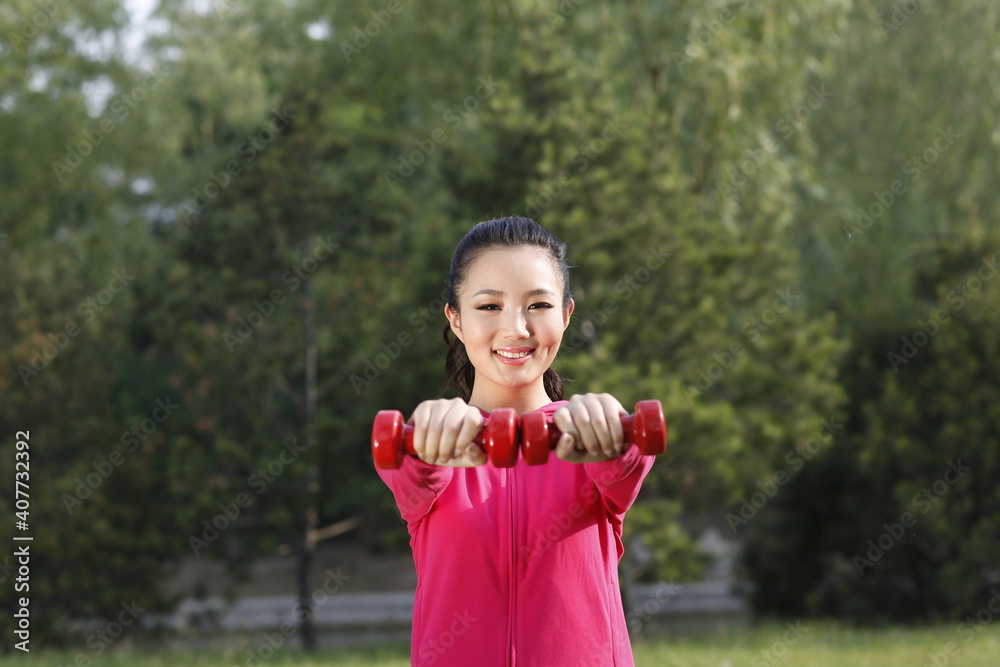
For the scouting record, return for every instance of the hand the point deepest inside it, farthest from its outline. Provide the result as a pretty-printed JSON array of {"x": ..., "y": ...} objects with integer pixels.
[
  {"x": 443, "y": 431},
  {"x": 592, "y": 429}
]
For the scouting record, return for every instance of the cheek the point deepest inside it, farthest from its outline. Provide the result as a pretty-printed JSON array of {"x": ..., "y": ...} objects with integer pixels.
[
  {"x": 551, "y": 330},
  {"x": 478, "y": 334}
]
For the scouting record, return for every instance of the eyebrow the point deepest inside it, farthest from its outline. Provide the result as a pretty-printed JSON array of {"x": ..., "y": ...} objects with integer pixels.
[{"x": 535, "y": 292}]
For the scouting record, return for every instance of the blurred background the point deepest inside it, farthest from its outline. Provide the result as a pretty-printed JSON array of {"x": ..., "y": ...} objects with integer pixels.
[{"x": 224, "y": 240}]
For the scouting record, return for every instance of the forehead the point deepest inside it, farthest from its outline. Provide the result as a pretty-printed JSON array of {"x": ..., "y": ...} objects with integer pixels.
[{"x": 514, "y": 270}]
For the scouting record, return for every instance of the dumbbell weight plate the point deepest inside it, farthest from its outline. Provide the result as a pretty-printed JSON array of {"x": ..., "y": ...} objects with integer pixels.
[
  {"x": 536, "y": 437},
  {"x": 387, "y": 439},
  {"x": 500, "y": 438}
]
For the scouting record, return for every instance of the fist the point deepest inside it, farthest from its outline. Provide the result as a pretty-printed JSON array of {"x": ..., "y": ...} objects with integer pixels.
[
  {"x": 443, "y": 433},
  {"x": 591, "y": 426}
]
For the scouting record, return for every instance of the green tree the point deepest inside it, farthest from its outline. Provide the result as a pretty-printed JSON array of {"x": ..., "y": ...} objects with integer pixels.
[
  {"x": 72, "y": 252},
  {"x": 896, "y": 231}
]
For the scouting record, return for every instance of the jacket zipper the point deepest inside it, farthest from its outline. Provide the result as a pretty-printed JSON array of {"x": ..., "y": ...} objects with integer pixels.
[{"x": 512, "y": 602}]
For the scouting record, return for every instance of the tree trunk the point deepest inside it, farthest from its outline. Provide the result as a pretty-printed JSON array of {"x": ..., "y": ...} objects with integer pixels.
[{"x": 308, "y": 548}]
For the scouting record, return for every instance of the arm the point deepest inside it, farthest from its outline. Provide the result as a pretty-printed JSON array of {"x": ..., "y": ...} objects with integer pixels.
[
  {"x": 593, "y": 436},
  {"x": 618, "y": 480},
  {"x": 443, "y": 433},
  {"x": 416, "y": 486}
]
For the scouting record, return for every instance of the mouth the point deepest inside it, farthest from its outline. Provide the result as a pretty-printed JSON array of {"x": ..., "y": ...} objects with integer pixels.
[{"x": 514, "y": 356}]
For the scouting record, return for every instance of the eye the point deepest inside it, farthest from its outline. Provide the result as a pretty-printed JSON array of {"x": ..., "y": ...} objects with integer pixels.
[
  {"x": 488, "y": 306},
  {"x": 541, "y": 304}
]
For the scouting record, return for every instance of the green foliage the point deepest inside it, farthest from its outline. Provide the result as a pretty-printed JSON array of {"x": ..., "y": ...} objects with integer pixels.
[
  {"x": 899, "y": 281},
  {"x": 674, "y": 555},
  {"x": 897, "y": 520}
]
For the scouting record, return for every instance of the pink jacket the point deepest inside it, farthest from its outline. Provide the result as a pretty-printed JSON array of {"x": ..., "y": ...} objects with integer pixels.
[{"x": 518, "y": 566}]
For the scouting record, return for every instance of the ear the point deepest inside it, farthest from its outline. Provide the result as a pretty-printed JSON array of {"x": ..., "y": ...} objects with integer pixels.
[
  {"x": 454, "y": 320},
  {"x": 568, "y": 313}
]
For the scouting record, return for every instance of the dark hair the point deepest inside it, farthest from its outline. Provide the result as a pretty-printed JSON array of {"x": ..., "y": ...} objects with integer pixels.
[{"x": 511, "y": 232}]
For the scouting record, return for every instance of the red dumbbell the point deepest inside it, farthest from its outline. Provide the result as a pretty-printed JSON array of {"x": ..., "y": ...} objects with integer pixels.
[
  {"x": 392, "y": 438},
  {"x": 647, "y": 429}
]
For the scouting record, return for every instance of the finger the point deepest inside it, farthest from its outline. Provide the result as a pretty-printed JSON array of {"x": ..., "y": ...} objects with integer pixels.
[
  {"x": 613, "y": 412},
  {"x": 451, "y": 424},
  {"x": 582, "y": 410},
  {"x": 563, "y": 420},
  {"x": 432, "y": 438},
  {"x": 567, "y": 449},
  {"x": 437, "y": 437},
  {"x": 598, "y": 407},
  {"x": 419, "y": 422},
  {"x": 474, "y": 456},
  {"x": 571, "y": 450},
  {"x": 471, "y": 425}
]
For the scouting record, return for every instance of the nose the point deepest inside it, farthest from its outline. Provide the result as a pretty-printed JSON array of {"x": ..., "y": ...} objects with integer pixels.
[{"x": 515, "y": 324}]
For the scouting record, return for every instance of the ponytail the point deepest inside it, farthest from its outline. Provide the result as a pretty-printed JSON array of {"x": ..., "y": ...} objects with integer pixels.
[{"x": 457, "y": 367}]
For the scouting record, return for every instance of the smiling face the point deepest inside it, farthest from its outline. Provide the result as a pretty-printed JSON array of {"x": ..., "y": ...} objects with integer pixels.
[{"x": 511, "y": 319}]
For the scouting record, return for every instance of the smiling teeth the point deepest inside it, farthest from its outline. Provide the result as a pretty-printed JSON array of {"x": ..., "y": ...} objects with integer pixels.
[{"x": 512, "y": 355}]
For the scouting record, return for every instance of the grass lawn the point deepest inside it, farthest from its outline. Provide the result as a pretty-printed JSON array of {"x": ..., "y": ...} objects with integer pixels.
[{"x": 802, "y": 645}]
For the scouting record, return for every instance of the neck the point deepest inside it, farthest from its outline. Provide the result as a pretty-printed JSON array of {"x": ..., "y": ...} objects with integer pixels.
[{"x": 523, "y": 399}]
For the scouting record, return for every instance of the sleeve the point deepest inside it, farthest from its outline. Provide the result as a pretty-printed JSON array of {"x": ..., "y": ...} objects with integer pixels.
[
  {"x": 618, "y": 480},
  {"x": 416, "y": 486}
]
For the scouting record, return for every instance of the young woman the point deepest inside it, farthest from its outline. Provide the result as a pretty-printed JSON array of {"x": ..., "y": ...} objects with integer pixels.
[{"x": 515, "y": 566}]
